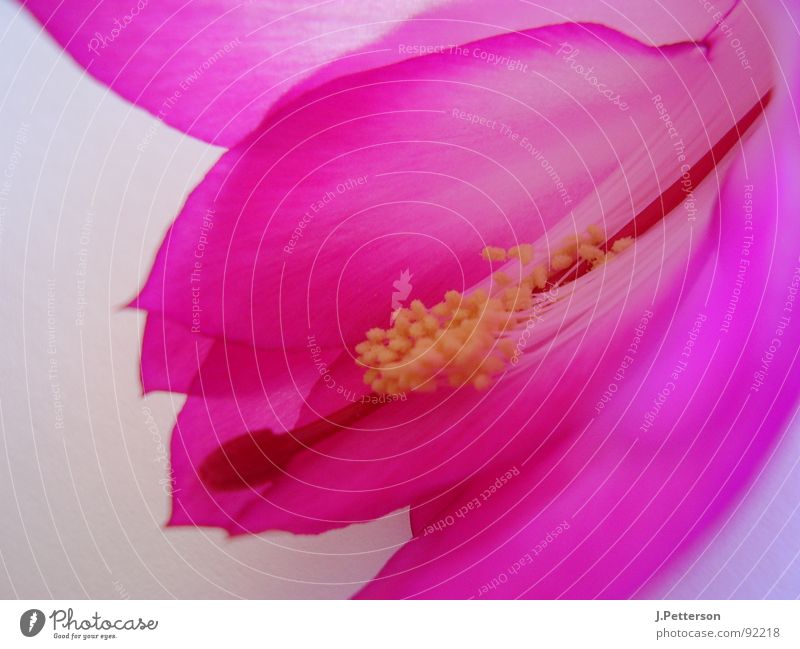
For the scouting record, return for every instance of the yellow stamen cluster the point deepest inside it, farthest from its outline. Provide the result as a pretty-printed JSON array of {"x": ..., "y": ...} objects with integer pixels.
[
  {"x": 523, "y": 252},
  {"x": 586, "y": 247},
  {"x": 458, "y": 338},
  {"x": 462, "y": 339}
]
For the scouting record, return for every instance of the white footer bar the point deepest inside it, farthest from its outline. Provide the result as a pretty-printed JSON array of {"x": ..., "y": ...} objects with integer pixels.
[{"x": 418, "y": 624}]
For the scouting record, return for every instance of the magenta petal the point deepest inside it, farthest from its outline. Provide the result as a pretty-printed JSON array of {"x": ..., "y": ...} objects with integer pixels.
[
  {"x": 458, "y": 22},
  {"x": 670, "y": 451},
  {"x": 213, "y": 69},
  {"x": 352, "y": 476},
  {"x": 271, "y": 385},
  {"x": 411, "y": 450},
  {"x": 312, "y": 219},
  {"x": 203, "y": 426},
  {"x": 237, "y": 393},
  {"x": 171, "y": 355}
]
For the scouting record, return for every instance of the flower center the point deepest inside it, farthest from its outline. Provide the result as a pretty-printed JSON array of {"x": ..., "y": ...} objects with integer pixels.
[
  {"x": 470, "y": 338},
  {"x": 257, "y": 457}
]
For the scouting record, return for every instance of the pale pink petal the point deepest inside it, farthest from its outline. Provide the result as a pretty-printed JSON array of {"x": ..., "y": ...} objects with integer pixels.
[{"x": 213, "y": 69}]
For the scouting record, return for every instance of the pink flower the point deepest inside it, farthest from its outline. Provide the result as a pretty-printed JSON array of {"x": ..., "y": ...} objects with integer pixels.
[{"x": 608, "y": 410}]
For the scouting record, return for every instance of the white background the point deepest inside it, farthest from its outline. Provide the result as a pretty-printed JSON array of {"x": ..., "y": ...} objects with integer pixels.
[{"x": 82, "y": 497}]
